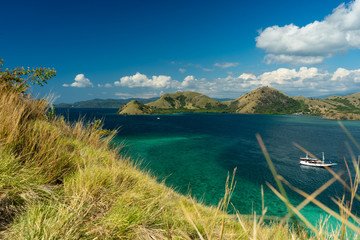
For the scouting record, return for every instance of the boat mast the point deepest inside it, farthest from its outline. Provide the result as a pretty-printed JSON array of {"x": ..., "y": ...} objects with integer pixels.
[{"x": 323, "y": 159}]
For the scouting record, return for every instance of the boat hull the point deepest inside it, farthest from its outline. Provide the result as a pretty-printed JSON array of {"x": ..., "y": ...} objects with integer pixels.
[{"x": 305, "y": 163}]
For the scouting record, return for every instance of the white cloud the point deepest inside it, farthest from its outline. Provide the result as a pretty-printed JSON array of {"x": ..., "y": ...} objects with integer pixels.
[
  {"x": 80, "y": 81},
  {"x": 247, "y": 76},
  {"x": 342, "y": 74},
  {"x": 122, "y": 95},
  {"x": 283, "y": 76},
  {"x": 107, "y": 85},
  {"x": 182, "y": 70},
  {"x": 187, "y": 81},
  {"x": 226, "y": 64},
  {"x": 304, "y": 81},
  {"x": 296, "y": 60},
  {"x": 200, "y": 67},
  {"x": 141, "y": 80},
  {"x": 137, "y": 95},
  {"x": 311, "y": 44}
]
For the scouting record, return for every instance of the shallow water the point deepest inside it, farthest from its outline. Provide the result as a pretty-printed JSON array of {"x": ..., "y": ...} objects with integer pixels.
[{"x": 195, "y": 152}]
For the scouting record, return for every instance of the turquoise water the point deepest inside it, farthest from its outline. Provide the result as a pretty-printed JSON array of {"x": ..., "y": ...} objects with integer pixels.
[{"x": 195, "y": 152}]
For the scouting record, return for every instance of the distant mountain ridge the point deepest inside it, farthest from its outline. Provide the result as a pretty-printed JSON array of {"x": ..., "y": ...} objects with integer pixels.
[
  {"x": 264, "y": 100},
  {"x": 112, "y": 103},
  {"x": 104, "y": 103}
]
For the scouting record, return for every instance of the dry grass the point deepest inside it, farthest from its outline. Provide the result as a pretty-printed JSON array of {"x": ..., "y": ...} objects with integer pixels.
[{"x": 62, "y": 181}]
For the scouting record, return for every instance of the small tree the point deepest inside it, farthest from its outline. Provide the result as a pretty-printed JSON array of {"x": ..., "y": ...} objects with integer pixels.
[{"x": 20, "y": 79}]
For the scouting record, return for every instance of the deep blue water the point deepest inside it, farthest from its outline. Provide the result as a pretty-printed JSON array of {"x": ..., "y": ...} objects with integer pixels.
[{"x": 195, "y": 152}]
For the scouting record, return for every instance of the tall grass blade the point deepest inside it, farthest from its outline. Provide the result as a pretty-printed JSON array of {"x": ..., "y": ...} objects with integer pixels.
[
  {"x": 272, "y": 169},
  {"x": 349, "y": 135},
  {"x": 293, "y": 209},
  {"x": 327, "y": 209},
  {"x": 312, "y": 196}
]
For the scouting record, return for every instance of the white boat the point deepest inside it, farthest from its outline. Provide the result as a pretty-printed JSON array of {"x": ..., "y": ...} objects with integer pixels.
[{"x": 313, "y": 162}]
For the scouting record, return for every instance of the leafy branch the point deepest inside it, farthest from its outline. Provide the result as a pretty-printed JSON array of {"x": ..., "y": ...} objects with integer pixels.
[{"x": 20, "y": 79}]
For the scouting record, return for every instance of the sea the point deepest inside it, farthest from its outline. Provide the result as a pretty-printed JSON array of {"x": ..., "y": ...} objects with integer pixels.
[{"x": 195, "y": 153}]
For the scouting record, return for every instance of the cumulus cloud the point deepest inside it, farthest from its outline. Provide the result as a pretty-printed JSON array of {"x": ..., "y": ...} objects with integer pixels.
[
  {"x": 80, "y": 81},
  {"x": 304, "y": 81},
  {"x": 226, "y": 64},
  {"x": 342, "y": 74},
  {"x": 247, "y": 76},
  {"x": 187, "y": 81},
  {"x": 311, "y": 44},
  {"x": 285, "y": 76},
  {"x": 141, "y": 80}
]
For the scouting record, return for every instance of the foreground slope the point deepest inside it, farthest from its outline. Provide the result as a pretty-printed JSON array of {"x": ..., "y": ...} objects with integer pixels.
[{"x": 61, "y": 181}]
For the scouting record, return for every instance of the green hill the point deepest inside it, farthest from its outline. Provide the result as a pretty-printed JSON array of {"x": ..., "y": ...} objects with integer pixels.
[
  {"x": 135, "y": 108},
  {"x": 267, "y": 100},
  {"x": 192, "y": 101},
  {"x": 335, "y": 107}
]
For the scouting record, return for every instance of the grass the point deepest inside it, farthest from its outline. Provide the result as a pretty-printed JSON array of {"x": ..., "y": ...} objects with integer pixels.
[{"x": 63, "y": 181}]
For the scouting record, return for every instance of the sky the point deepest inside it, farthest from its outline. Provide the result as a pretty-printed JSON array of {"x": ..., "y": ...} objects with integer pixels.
[{"x": 131, "y": 48}]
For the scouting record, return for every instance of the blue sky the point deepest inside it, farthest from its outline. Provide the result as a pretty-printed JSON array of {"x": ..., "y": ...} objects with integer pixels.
[{"x": 121, "y": 49}]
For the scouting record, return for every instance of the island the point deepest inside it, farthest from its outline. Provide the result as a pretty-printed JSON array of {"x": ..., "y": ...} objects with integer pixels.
[{"x": 264, "y": 100}]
